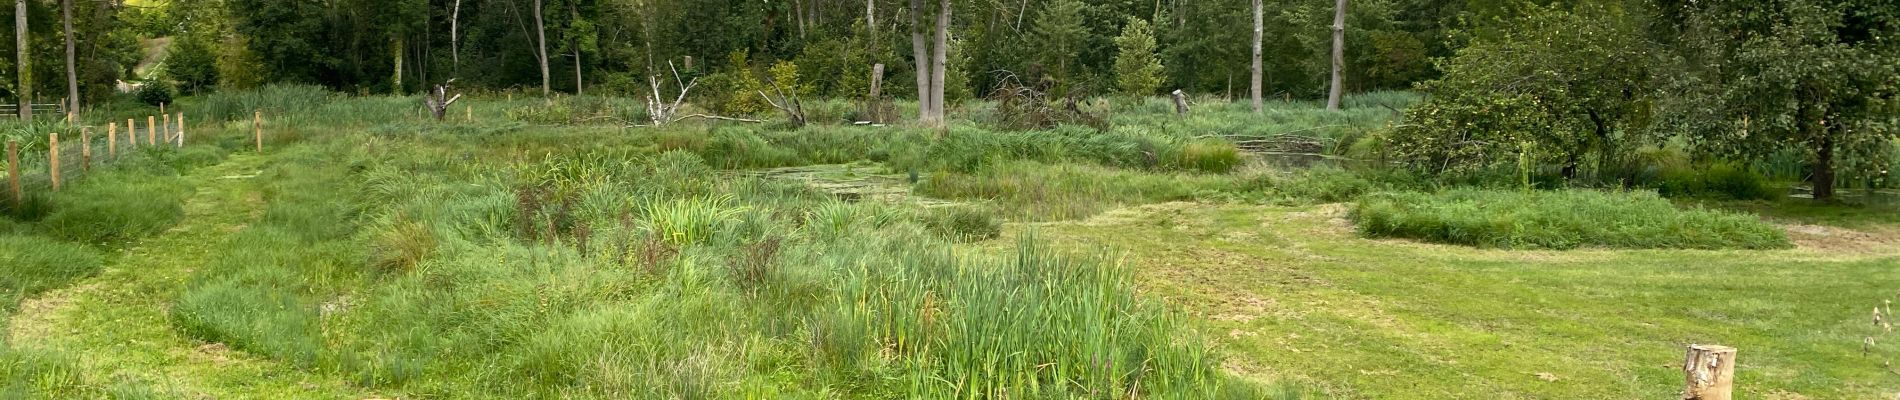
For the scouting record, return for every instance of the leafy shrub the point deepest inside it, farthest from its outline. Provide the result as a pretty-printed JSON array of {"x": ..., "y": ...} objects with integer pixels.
[
  {"x": 1724, "y": 181},
  {"x": 1215, "y": 156},
  {"x": 963, "y": 224},
  {"x": 115, "y": 207},
  {"x": 31, "y": 264},
  {"x": 155, "y": 92},
  {"x": 1564, "y": 219}
]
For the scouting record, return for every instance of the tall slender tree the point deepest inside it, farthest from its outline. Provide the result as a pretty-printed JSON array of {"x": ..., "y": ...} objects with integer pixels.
[
  {"x": 541, "y": 48},
  {"x": 1259, "y": 34},
  {"x": 72, "y": 71},
  {"x": 25, "y": 60},
  {"x": 1339, "y": 55}
]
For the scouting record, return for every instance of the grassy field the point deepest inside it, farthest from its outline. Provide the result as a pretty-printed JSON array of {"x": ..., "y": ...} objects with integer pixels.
[
  {"x": 544, "y": 249},
  {"x": 1294, "y": 295}
]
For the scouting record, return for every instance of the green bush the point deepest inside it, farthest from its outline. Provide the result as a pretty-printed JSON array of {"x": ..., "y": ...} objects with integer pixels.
[
  {"x": 155, "y": 92},
  {"x": 1563, "y": 219},
  {"x": 115, "y": 206},
  {"x": 1215, "y": 156}
]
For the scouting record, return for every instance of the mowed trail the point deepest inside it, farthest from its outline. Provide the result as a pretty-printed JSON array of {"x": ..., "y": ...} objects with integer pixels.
[{"x": 117, "y": 326}]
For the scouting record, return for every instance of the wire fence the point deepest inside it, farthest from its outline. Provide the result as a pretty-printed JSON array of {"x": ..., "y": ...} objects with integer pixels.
[{"x": 45, "y": 158}]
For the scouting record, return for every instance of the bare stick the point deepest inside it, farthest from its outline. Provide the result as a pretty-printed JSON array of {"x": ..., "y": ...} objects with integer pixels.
[
  {"x": 85, "y": 149},
  {"x": 52, "y": 154},
  {"x": 13, "y": 172}
]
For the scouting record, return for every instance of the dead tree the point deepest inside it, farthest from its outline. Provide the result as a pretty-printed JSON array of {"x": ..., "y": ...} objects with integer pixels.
[
  {"x": 662, "y": 113},
  {"x": 439, "y": 101},
  {"x": 1180, "y": 102},
  {"x": 794, "y": 109}
]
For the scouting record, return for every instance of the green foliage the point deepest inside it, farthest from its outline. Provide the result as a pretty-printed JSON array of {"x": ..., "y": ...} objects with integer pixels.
[
  {"x": 155, "y": 92},
  {"x": 193, "y": 64},
  {"x": 1564, "y": 219},
  {"x": 238, "y": 67},
  {"x": 1137, "y": 70},
  {"x": 1577, "y": 96},
  {"x": 1807, "y": 76},
  {"x": 1722, "y": 181},
  {"x": 1061, "y": 34}
]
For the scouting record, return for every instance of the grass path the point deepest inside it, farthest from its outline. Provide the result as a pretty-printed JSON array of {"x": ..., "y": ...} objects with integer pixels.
[{"x": 116, "y": 324}]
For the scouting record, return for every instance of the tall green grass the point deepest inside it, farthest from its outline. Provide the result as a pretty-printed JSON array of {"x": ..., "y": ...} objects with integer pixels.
[
  {"x": 1564, "y": 219},
  {"x": 599, "y": 273}
]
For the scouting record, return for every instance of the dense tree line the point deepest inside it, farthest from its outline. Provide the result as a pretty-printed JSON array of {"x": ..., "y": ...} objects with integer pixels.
[{"x": 1581, "y": 84}]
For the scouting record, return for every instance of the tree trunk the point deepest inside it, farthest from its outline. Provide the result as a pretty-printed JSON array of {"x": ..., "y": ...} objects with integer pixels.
[
  {"x": 25, "y": 60},
  {"x": 1824, "y": 167},
  {"x": 72, "y": 69},
  {"x": 1339, "y": 54},
  {"x": 455, "y": 39},
  {"x": 575, "y": 43},
  {"x": 1259, "y": 34},
  {"x": 396, "y": 43},
  {"x": 541, "y": 49},
  {"x": 920, "y": 53},
  {"x": 940, "y": 63},
  {"x": 1709, "y": 373},
  {"x": 870, "y": 25}
]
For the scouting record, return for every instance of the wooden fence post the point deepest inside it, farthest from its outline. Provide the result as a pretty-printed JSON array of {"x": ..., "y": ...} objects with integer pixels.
[
  {"x": 181, "y": 130},
  {"x": 165, "y": 130},
  {"x": 131, "y": 132},
  {"x": 151, "y": 130},
  {"x": 257, "y": 129},
  {"x": 52, "y": 155},
  {"x": 85, "y": 149},
  {"x": 1710, "y": 371},
  {"x": 13, "y": 172},
  {"x": 112, "y": 140}
]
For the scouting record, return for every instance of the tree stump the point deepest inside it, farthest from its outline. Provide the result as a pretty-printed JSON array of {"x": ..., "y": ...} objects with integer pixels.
[
  {"x": 1710, "y": 372},
  {"x": 1180, "y": 102}
]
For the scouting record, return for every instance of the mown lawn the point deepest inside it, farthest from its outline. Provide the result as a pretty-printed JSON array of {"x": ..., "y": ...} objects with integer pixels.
[{"x": 1295, "y": 296}]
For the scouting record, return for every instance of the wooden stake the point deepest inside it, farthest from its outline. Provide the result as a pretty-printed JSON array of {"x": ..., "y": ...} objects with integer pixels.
[
  {"x": 131, "y": 132},
  {"x": 470, "y": 111},
  {"x": 181, "y": 130},
  {"x": 13, "y": 172},
  {"x": 1710, "y": 371},
  {"x": 151, "y": 130},
  {"x": 165, "y": 130},
  {"x": 112, "y": 140},
  {"x": 257, "y": 129},
  {"x": 85, "y": 149},
  {"x": 52, "y": 154}
]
